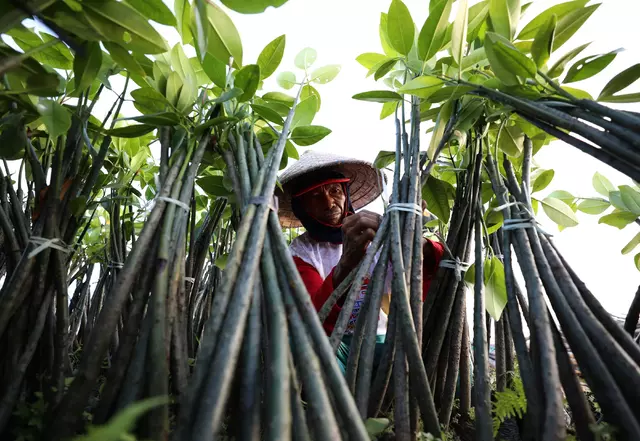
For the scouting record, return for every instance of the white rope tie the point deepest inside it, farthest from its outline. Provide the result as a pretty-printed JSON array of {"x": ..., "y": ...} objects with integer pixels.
[
  {"x": 44, "y": 243},
  {"x": 456, "y": 265},
  {"x": 180, "y": 204},
  {"x": 190, "y": 280},
  {"x": 520, "y": 224},
  {"x": 271, "y": 203},
  {"x": 408, "y": 207}
]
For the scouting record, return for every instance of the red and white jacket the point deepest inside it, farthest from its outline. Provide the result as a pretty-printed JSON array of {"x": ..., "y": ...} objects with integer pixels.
[{"x": 317, "y": 260}]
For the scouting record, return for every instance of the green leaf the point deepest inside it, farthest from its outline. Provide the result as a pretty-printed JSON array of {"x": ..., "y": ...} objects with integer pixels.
[
  {"x": 593, "y": 206},
  {"x": 478, "y": 14},
  {"x": 633, "y": 243},
  {"x": 214, "y": 122},
  {"x": 432, "y": 34},
  {"x": 636, "y": 260},
  {"x": 621, "y": 81},
  {"x": 375, "y": 426},
  {"x": 291, "y": 150},
  {"x": 117, "y": 19},
  {"x": 509, "y": 58},
  {"x": 286, "y": 80},
  {"x": 560, "y": 11},
  {"x": 57, "y": 56},
  {"x": 133, "y": 131},
  {"x": 495, "y": 290},
  {"x": 400, "y": 27},
  {"x": 279, "y": 97},
  {"x": 308, "y": 135},
  {"x": 388, "y": 109},
  {"x": 309, "y": 91},
  {"x": 181, "y": 63},
  {"x": 252, "y": 6},
  {"x": 248, "y": 79},
  {"x": 602, "y": 185},
  {"x": 570, "y": 23},
  {"x": 188, "y": 95},
  {"x": 123, "y": 421},
  {"x": 383, "y": 159},
  {"x": 85, "y": 69},
  {"x": 626, "y": 98},
  {"x": 305, "y": 112},
  {"x": 630, "y": 198},
  {"x": 511, "y": 141},
  {"x": 496, "y": 60},
  {"x": 381, "y": 70},
  {"x": 159, "y": 119},
  {"x": 618, "y": 219},
  {"x": 378, "y": 96},
  {"x": 423, "y": 86},
  {"x": 435, "y": 193},
  {"x": 216, "y": 70},
  {"x": 305, "y": 58},
  {"x": 213, "y": 185},
  {"x": 542, "y": 180},
  {"x": 438, "y": 131},
  {"x": 543, "y": 43},
  {"x": 229, "y": 95},
  {"x": 559, "y": 212},
  {"x": 615, "y": 198},
  {"x": 323, "y": 75},
  {"x": 505, "y": 15},
  {"x": 271, "y": 56},
  {"x": 589, "y": 66},
  {"x": 268, "y": 114},
  {"x": 148, "y": 100},
  {"x": 55, "y": 117},
  {"x": 199, "y": 29},
  {"x": 384, "y": 37},
  {"x": 182, "y": 9},
  {"x": 221, "y": 261},
  {"x": 154, "y": 10},
  {"x": 459, "y": 33},
  {"x": 370, "y": 59},
  {"x": 174, "y": 84},
  {"x": 224, "y": 39},
  {"x": 556, "y": 70},
  {"x": 122, "y": 56}
]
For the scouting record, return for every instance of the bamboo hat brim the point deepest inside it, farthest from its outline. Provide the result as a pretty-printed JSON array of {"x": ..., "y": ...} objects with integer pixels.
[{"x": 365, "y": 183}]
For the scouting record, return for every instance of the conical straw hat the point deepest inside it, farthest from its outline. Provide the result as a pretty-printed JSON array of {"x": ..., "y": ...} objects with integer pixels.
[{"x": 365, "y": 181}]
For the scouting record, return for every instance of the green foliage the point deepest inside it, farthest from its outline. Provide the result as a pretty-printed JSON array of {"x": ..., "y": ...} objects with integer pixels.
[
  {"x": 252, "y": 6},
  {"x": 511, "y": 403}
]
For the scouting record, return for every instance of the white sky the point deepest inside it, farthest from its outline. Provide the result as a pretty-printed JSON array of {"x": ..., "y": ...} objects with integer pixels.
[{"x": 340, "y": 30}]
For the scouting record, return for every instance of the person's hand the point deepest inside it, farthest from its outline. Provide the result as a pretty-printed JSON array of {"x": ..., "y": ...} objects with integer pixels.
[{"x": 358, "y": 231}]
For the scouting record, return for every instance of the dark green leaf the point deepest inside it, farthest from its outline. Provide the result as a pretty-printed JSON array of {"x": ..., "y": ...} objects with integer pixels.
[
  {"x": 268, "y": 114},
  {"x": 435, "y": 193},
  {"x": 620, "y": 81},
  {"x": 503, "y": 55},
  {"x": 557, "y": 69},
  {"x": 182, "y": 9},
  {"x": 496, "y": 59},
  {"x": 308, "y": 135},
  {"x": 213, "y": 185},
  {"x": 199, "y": 29},
  {"x": 85, "y": 69},
  {"x": 589, "y": 66},
  {"x": 12, "y": 137},
  {"x": 511, "y": 141},
  {"x": 400, "y": 27},
  {"x": 593, "y": 206},
  {"x": 114, "y": 19},
  {"x": 252, "y": 6},
  {"x": 248, "y": 79},
  {"x": 626, "y": 98},
  {"x": 543, "y": 43},
  {"x": 305, "y": 58},
  {"x": 570, "y": 23},
  {"x": 381, "y": 70},
  {"x": 442, "y": 120},
  {"x": 216, "y": 70},
  {"x": 154, "y": 10},
  {"x": 618, "y": 219},
  {"x": 449, "y": 93},
  {"x": 214, "y": 122},
  {"x": 57, "y": 56},
  {"x": 559, "y": 212},
  {"x": 148, "y": 100},
  {"x": 384, "y": 159},
  {"x": 122, "y": 56},
  {"x": 279, "y": 97},
  {"x": 133, "y": 131},
  {"x": 495, "y": 287},
  {"x": 378, "y": 96},
  {"x": 505, "y": 15},
  {"x": 159, "y": 119},
  {"x": 543, "y": 180},
  {"x": 560, "y": 11},
  {"x": 271, "y": 56},
  {"x": 56, "y": 118},
  {"x": 630, "y": 198},
  {"x": 229, "y": 95},
  {"x": 431, "y": 38},
  {"x": 615, "y": 198}
]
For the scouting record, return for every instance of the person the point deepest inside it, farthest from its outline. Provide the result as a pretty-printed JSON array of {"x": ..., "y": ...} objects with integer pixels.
[{"x": 322, "y": 192}]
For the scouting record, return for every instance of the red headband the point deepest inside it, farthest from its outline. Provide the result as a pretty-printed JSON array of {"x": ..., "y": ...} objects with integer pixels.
[{"x": 320, "y": 184}]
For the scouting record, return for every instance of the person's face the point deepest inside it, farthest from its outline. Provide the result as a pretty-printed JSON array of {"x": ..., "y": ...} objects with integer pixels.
[{"x": 326, "y": 203}]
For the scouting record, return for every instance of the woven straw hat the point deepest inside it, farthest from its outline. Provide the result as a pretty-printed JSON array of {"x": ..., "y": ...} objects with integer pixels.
[{"x": 365, "y": 181}]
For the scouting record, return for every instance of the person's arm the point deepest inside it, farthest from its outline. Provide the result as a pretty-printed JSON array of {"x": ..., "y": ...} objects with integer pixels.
[
  {"x": 319, "y": 290},
  {"x": 432, "y": 253}
]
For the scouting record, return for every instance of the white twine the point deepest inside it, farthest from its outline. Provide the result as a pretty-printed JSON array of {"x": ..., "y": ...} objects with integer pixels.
[
  {"x": 271, "y": 203},
  {"x": 180, "y": 204},
  {"x": 519, "y": 224},
  {"x": 117, "y": 265},
  {"x": 456, "y": 265},
  {"x": 408, "y": 207},
  {"x": 44, "y": 243},
  {"x": 192, "y": 280}
]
